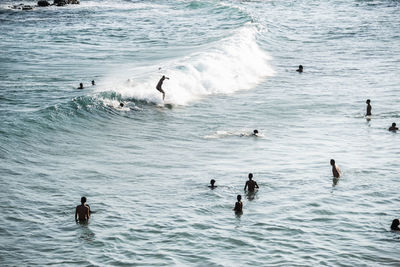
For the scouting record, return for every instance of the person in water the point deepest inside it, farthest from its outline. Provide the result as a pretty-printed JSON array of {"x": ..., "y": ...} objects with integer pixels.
[
  {"x": 80, "y": 86},
  {"x": 255, "y": 133},
  {"x": 212, "y": 182},
  {"x": 250, "y": 184},
  {"x": 82, "y": 212},
  {"x": 395, "y": 225},
  {"x": 335, "y": 169},
  {"x": 300, "y": 69},
  {"x": 159, "y": 84},
  {"x": 93, "y": 83},
  {"x": 238, "y": 205},
  {"x": 369, "y": 108},
  {"x": 121, "y": 105},
  {"x": 393, "y": 128}
]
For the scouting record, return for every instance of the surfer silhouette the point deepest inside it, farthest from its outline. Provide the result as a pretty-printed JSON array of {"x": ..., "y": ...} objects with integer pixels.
[
  {"x": 300, "y": 69},
  {"x": 159, "y": 84}
]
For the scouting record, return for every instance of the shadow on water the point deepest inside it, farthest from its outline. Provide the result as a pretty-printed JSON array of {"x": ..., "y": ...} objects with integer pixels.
[
  {"x": 251, "y": 195},
  {"x": 85, "y": 232},
  {"x": 335, "y": 181}
]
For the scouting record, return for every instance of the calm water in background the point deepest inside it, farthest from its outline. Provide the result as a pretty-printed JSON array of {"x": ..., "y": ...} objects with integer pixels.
[{"x": 145, "y": 168}]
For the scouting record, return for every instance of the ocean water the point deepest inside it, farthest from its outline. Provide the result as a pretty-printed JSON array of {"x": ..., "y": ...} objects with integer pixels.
[{"x": 145, "y": 168}]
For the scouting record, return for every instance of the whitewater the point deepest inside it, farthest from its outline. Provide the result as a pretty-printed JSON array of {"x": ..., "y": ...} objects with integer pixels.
[{"x": 145, "y": 167}]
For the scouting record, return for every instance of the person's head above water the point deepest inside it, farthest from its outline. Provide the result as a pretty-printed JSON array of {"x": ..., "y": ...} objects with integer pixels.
[
  {"x": 300, "y": 69},
  {"x": 83, "y": 200},
  {"x": 393, "y": 124},
  {"x": 212, "y": 182},
  {"x": 239, "y": 198},
  {"x": 395, "y": 224},
  {"x": 255, "y": 132},
  {"x": 81, "y": 86},
  {"x": 368, "y": 101},
  {"x": 93, "y": 83},
  {"x": 250, "y": 176},
  {"x": 332, "y": 162},
  {"x": 121, "y": 104}
]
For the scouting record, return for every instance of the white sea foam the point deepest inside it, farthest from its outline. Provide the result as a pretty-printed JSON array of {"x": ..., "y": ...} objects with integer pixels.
[{"x": 232, "y": 64}]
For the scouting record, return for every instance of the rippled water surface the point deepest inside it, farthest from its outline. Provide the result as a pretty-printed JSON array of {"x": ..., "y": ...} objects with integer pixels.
[{"x": 145, "y": 168}]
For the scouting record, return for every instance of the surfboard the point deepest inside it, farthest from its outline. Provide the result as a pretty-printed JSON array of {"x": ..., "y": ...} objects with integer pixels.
[{"x": 168, "y": 105}]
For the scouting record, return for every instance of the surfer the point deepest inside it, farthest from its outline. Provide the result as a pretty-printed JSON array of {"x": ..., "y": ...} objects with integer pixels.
[
  {"x": 159, "y": 84},
  {"x": 255, "y": 133},
  {"x": 395, "y": 225},
  {"x": 369, "y": 108},
  {"x": 93, "y": 83},
  {"x": 121, "y": 105},
  {"x": 250, "y": 184},
  {"x": 238, "y": 205},
  {"x": 80, "y": 86},
  {"x": 335, "y": 169},
  {"x": 212, "y": 182},
  {"x": 82, "y": 212},
  {"x": 393, "y": 128},
  {"x": 300, "y": 69}
]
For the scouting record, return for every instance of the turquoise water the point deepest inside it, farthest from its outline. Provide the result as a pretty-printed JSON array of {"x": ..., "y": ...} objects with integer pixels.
[{"x": 145, "y": 168}]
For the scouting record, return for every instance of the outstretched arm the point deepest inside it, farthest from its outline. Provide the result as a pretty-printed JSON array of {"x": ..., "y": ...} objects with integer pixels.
[
  {"x": 245, "y": 186},
  {"x": 76, "y": 214},
  {"x": 256, "y": 184}
]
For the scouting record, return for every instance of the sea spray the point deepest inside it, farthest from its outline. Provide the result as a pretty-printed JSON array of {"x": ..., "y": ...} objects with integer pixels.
[{"x": 231, "y": 64}]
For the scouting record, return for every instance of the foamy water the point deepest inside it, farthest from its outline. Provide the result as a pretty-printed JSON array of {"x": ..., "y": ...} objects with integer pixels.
[{"x": 145, "y": 167}]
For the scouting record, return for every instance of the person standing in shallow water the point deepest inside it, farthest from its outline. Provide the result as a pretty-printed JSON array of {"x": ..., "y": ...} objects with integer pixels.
[
  {"x": 159, "y": 85},
  {"x": 238, "y": 205},
  {"x": 82, "y": 212},
  {"x": 335, "y": 169},
  {"x": 250, "y": 184},
  {"x": 369, "y": 108}
]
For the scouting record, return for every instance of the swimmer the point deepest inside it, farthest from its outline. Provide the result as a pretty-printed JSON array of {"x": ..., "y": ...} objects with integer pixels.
[
  {"x": 212, "y": 182},
  {"x": 238, "y": 205},
  {"x": 255, "y": 133},
  {"x": 93, "y": 83},
  {"x": 159, "y": 84},
  {"x": 393, "y": 128},
  {"x": 300, "y": 69},
  {"x": 395, "y": 225},
  {"x": 82, "y": 212},
  {"x": 369, "y": 108},
  {"x": 121, "y": 105},
  {"x": 80, "y": 86},
  {"x": 335, "y": 169},
  {"x": 250, "y": 184}
]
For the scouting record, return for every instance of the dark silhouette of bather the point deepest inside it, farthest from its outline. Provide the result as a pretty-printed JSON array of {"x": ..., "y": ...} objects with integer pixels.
[
  {"x": 300, "y": 69},
  {"x": 238, "y": 205},
  {"x": 250, "y": 184},
  {"x": 369, "y": 107},
  {"x": 393, "y": 128},
  {"x": 82, "y": 212},
  {"x": 212, "y": 182},
  {"x": 395, "y": 225}
]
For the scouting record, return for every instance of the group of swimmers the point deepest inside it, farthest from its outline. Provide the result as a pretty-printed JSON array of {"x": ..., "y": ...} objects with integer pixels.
[
  {"x": 250, "y": 187},
  {"x": 82, "y": 212},
  {"x": 81, "y": 85}
]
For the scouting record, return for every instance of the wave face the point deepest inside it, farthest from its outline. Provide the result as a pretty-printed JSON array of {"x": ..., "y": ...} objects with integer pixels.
[{"x": 224, "y": 67}]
